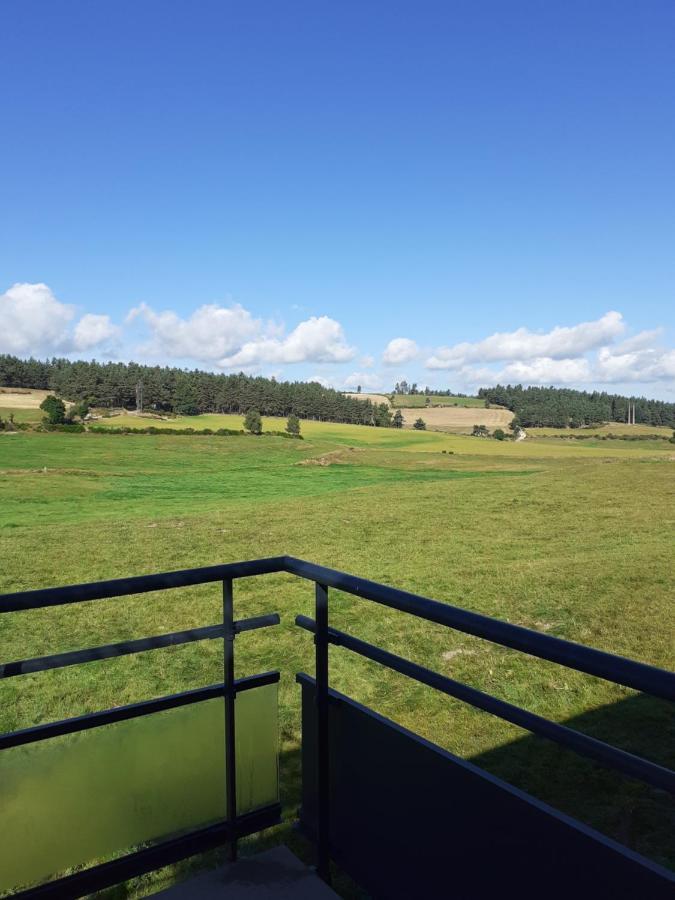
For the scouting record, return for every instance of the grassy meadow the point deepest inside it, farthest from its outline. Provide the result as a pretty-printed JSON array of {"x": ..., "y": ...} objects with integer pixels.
[
  {"x": 411, "y": 401},
  {"x": 573, "y": 538}
]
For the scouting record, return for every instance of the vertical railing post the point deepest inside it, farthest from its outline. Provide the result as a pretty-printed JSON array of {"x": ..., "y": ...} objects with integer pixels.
[
  {"x": 322, "y": 743},
  {"x": 228, "y": 680}
]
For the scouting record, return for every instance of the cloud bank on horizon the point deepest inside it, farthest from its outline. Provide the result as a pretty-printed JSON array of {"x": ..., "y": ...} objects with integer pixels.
[{"x": 589, "y": 355}]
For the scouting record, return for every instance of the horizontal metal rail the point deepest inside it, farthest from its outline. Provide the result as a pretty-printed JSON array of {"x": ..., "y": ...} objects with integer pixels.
[
  {"x": 256, "y": 622},
  {"x": 124, "y": 648},
  {"x": 140, "y": 584},
  {"x": 617, "y": 669},
  {"x": 130, "y": 711},
  {"x": 108, "y": 651},
  {"x": 156, "y": 856},
  {"x": 606, "y": 754}
]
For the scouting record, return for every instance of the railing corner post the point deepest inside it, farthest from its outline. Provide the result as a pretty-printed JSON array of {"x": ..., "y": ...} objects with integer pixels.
[
  {"x": 229, "y": 691},
  {"x": 323, "y": 737}
]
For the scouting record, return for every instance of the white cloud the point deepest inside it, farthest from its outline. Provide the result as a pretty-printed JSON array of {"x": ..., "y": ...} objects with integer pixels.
[
  {"x": 399, "y": 350},
  {"x": 641, "y": 341},
  {"x": 367, "y": 362},
  {"x": 33, "y": 321},
  {"x": 369, "y": 381},
  {"x": 318, "y": 339},
  {"x": 93, "y": 330},
  {"x": 582, "y": 355},
  {"x": 547, "y": 371},
  {"x": 324, "y": 382},
  {"x": 523, "y": 344},
  {"x": 607, "y": 366},
  {"x": 644, "y": 365},
  {"x": 210, "y": 333},
  {"x": 230, "y": 337}
]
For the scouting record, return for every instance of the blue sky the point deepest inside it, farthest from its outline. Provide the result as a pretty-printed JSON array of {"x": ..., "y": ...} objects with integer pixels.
[{"x": 289, "y": 187}]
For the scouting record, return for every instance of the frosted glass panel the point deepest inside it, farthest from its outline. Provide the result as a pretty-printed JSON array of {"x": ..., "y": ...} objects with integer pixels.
[{"x": 81, "y": 798}]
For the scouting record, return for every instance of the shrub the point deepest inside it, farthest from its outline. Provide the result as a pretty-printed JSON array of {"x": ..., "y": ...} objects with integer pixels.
[
  {"x": 293, "y": 425},
  {"x": 66, "y": 427},
  {"x": 54, "y": 409},
  {"x": 253, "y": 422},
  {"x": 498, "y": 434},
  {"x": 420, "y": 425}
]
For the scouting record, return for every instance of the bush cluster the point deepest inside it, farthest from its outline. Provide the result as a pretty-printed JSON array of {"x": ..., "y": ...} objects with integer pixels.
[{"x": 152, "y": 429}]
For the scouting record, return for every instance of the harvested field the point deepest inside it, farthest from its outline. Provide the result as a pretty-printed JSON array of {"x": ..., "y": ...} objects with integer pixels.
[
  {"x": 374, "y": 398},
  {"x": 457, "y": 418},
  {"x": 21, "y": 398}
]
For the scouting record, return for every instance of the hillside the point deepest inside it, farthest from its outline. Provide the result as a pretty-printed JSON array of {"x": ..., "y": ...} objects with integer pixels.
[
  {"x": 551, "y": 407},
  {"x": 454, "y": 413},
  {"x": 183, "y": 392}
]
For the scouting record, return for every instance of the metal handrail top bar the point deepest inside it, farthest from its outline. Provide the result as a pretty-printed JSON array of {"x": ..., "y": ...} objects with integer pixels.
[
  {"x": 586, "y": 745},
  {"x": 618, "y": 669},
  {"x": 138, "y": 584}
]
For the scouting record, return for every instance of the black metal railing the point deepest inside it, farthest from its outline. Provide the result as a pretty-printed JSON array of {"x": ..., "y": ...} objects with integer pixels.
[
  {"x": 619, "y": 670},
  {"x": 199, "y": 840}
]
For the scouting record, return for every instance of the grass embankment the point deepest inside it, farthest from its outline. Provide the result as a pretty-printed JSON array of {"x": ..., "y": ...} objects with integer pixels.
[{"x": 572, "y": 540}]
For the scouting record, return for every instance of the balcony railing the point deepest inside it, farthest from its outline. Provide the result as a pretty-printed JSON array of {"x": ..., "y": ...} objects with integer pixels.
[{"x": 222, "y": 806}]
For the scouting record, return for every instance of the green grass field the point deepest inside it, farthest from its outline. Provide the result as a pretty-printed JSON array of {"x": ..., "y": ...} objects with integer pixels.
[
  {"x": 30, "y": 416},
  {"x": 571, "y": 539},
  {"x": 412, "y": 401}
]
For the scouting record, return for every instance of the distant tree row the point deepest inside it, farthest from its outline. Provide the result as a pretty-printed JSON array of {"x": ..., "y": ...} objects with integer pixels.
[
  {"x": 564, "y": 408},
  {"x": 402, "y": 387},
  {"x": 188, "y": 392}
]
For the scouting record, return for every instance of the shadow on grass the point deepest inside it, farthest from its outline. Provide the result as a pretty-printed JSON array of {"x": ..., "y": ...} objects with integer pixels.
[{"x": 634, "y": 814}]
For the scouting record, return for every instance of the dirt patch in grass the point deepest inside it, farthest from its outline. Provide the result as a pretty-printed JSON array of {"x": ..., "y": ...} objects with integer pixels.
[{"x": 326, "y": 459}]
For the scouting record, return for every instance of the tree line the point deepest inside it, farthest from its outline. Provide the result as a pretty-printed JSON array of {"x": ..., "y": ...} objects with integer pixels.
[
  {"x": 402, "y": 387},
  {"x": 187, "y": 392},
  {"x": 565, "y": 408}
]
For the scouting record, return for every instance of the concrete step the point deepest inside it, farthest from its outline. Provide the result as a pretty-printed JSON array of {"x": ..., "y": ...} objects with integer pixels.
[{"x": 273, "y": 875}]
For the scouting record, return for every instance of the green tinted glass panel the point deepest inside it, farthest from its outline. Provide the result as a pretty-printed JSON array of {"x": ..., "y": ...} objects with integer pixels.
[{"x": 82, "y": 798}]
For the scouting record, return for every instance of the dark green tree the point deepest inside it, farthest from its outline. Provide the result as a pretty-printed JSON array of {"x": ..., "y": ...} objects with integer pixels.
[
  {"x": 165, "y": 389},
  {"x": 54, "y": 409},
  {"x": 293, "y": 425},
  {"x": 253, "y": 421},
  {"x": 498, "y": 434},
  {"x": 420, "y": 425},
  {"x": 185, "y": 402},
  {"x": 79, "y": 410},
  {"x": 397, "y": 421}
]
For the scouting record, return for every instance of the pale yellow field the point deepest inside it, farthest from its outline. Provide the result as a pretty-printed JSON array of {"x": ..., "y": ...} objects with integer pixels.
[
  {"x": 374, "y": 398},
  {"x": 458, "y": 418},
  {"x": 608, "y": 428},
  {"x": 21, "y": 398}
]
